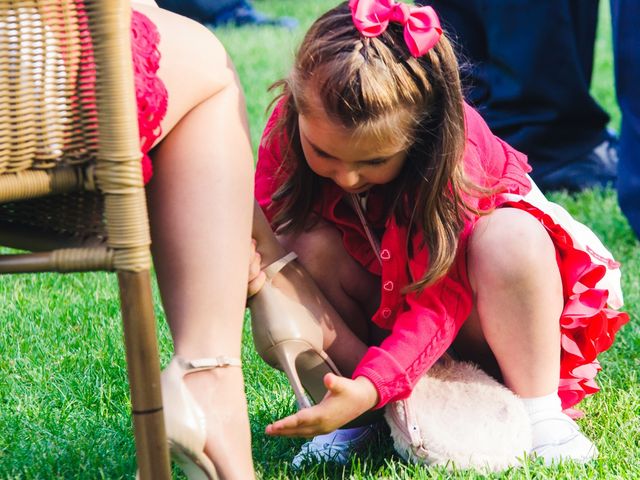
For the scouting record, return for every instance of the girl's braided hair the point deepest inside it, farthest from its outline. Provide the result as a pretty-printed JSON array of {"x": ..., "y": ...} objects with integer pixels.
[{"x": 374, "y": 85}]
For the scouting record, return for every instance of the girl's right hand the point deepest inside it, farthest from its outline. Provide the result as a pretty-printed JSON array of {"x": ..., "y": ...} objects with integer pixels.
[
  {"x": 346, "y": 399},
  {"x": 256, "y": 276}
]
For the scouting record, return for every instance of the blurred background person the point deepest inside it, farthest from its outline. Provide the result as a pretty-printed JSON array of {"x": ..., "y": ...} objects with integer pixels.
[
  {"x": 215, "y": 13},
  {"x": 530, "y": 65},
  {"x": 626, "y": 48}
]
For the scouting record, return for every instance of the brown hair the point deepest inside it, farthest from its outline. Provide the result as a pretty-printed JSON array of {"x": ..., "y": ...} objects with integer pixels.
[{"x": 375, "y": 85}]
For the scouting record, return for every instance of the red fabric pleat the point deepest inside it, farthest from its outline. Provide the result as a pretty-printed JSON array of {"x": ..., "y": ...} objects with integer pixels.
[{"x": 587, "y": 324}]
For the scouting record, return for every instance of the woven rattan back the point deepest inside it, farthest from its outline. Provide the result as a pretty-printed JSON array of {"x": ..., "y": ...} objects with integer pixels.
[
  {"x": 48, "y": 111},
  {"x": 70, "y": 175},
  {"x": 68, "y": 126}
]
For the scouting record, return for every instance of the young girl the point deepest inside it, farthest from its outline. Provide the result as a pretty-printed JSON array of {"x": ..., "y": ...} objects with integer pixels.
[{"x": 420, "y": 226}]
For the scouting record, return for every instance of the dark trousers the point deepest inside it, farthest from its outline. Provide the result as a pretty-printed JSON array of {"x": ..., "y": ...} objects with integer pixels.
[
  {"x": 530, "y": 64},
  {"x": 203, "y": 11},
  {"x": 625, "y": 16}
]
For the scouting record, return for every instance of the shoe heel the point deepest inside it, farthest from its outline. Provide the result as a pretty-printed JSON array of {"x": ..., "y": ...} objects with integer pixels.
[{"x": 286, "y": 354}]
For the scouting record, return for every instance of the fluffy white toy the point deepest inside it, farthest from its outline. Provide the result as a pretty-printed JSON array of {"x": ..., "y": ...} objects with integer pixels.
[{"x": 457, "y": 415}]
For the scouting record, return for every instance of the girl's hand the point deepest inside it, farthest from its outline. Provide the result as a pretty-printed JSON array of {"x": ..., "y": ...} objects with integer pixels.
[
  {"x": 256, "y": 276},
  {"x": 346, "y": 399}
]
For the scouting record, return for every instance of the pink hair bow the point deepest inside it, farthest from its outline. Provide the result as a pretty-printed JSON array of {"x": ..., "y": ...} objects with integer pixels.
[{"x": 422, "y": 28}]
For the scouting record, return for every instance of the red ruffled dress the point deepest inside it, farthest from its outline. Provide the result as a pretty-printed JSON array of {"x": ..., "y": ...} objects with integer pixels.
[
  {"x": 423, "y": 325},
  {"x": 151, "y": 93}
]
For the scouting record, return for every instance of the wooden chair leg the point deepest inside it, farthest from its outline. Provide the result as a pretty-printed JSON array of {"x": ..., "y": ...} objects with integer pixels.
[{"x": 143, "y": 364}]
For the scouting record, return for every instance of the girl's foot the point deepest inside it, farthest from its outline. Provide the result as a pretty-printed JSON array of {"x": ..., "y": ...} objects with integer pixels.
[
  {"x": 338, "y": 446},
  {"x": 555, "y": 437}
]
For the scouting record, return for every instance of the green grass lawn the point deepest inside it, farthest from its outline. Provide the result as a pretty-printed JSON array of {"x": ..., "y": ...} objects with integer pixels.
[{"x": 64, "y": 410}]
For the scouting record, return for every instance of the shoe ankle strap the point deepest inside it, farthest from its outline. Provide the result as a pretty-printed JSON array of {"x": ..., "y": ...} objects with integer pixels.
[
  {"x": 271, "y": 270},
  {"x": 200, "y": 364}
]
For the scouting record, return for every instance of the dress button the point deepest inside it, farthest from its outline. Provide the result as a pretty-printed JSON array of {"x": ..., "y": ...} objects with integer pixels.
[
  {"x": 386, "y": 313},
  {"x": 385, "y": 254},
  {"x": 388, "y": 286}
]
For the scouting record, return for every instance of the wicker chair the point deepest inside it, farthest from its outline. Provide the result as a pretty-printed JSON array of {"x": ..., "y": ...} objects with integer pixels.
[{"x": 71, "y": 188}]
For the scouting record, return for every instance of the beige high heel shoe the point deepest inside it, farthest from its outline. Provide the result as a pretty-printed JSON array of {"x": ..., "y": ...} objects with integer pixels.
[
  {"x": 184, "y": 419},
  {"x": 288, "y": 337}
]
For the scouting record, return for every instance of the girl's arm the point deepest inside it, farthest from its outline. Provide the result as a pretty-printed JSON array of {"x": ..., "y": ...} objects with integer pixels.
[{"x": 420, "y": 335}]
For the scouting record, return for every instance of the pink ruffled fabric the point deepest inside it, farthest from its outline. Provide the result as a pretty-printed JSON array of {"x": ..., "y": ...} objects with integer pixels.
[
  {"x": 587, "y": 324},
  {"x": 151, "y": 93}
]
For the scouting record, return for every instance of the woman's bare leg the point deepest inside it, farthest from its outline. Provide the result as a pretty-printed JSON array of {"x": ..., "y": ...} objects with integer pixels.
[{"x": 200, "y": 208}]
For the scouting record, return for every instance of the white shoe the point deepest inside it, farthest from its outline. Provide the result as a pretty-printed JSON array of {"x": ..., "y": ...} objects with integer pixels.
[
  {"x": 556, "y": 438},
  {"x": 337, "y": 446}
]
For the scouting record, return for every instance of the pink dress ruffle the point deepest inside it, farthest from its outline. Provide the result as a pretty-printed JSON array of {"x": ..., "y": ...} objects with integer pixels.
[
  {"x": 151, "y": 93},
  {"x": 588, "y": 325}
]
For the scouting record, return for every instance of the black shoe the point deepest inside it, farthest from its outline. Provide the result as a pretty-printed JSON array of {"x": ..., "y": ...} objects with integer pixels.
[
  {"x": 245, "y": 14},
  {"x": 598, "y": 169}
]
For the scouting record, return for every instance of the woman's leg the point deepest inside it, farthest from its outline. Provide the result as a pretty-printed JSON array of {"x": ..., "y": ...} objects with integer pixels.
[{"x": 200, "y": 208}]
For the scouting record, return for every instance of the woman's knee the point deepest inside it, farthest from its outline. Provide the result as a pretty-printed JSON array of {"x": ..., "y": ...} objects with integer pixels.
[
  {"x": 190, "y": 51},
  {"x": 508, "y": 246}
]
